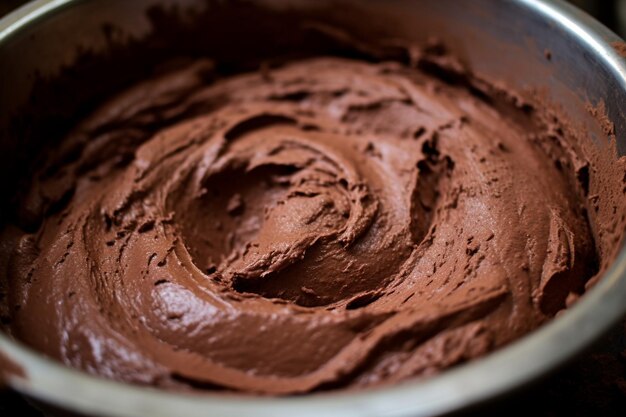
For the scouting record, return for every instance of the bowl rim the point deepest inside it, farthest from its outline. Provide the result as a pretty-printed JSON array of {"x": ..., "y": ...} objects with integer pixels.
[{"x": 469, "y": 384}]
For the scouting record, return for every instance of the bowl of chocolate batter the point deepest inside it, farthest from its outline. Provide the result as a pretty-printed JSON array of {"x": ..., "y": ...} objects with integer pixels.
[{"x": 305, "y": 208}]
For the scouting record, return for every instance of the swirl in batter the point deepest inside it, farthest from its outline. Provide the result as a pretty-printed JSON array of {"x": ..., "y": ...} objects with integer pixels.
[{"x": 329, "y": 223}]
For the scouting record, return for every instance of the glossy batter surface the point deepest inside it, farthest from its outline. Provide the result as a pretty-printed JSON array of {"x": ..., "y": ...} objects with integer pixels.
[{"x": 331, "y": 223}]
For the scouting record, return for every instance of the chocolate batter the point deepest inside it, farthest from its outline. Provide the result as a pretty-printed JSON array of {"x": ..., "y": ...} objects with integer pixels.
[{"x": 330, "y": 223}]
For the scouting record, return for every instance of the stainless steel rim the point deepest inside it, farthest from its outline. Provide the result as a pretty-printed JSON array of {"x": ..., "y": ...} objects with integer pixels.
[{"x": 498, "y": 373}]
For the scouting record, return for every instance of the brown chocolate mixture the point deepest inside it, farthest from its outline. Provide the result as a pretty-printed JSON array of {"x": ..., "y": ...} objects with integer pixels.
[
  {"x": 330, "y": 223},
  {"x": 620, "y": 48}
]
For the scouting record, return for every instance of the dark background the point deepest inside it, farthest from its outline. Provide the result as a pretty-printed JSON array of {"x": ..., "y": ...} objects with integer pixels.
[{"x": 592, "y": 385}]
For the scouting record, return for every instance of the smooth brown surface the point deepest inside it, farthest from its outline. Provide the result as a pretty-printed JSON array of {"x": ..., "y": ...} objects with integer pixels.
[{"x": 331, "y": 223}]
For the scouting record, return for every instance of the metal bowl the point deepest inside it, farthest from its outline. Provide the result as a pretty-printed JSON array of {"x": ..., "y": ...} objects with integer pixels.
[{"x": 503, "y": 40}]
